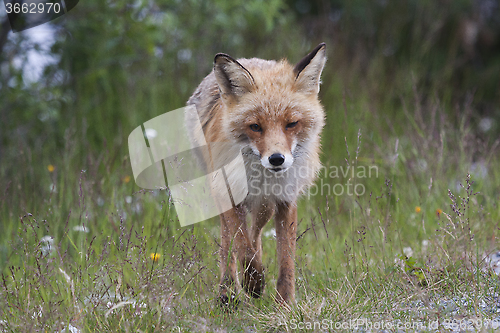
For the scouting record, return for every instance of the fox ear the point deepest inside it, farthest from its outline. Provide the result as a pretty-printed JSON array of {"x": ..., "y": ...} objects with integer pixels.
[
  {"x": 233, "y": 79},
  {"x": 308, "y": 70}
]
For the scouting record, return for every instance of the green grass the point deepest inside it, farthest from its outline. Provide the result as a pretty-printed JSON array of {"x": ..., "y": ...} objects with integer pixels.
[{"x": 351, "y": 259}]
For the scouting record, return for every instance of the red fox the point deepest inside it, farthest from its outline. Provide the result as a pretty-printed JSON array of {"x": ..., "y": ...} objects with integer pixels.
[{"x": 270, "y": 111}]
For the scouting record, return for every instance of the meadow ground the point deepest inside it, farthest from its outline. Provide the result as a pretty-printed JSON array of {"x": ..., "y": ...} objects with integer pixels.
[{"x": 399, "y": 233}]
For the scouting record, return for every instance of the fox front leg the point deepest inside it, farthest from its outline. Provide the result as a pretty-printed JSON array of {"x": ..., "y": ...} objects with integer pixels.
[
  {"x": 286, "y": 234},
  {"x": 234, "y": 244}
]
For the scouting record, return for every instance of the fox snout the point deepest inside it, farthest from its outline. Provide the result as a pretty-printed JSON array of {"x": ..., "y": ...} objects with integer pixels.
[{"x": 277, "y": 161}]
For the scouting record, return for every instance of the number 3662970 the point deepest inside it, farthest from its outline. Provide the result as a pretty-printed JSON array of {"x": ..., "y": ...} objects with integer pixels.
[{"x": 33, "y": 8}]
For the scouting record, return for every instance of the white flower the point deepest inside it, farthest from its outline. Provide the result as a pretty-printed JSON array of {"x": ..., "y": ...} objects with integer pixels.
[
  {"x": 81, "y": 228},
  {"x": 270, "y": 233},
  {"x": 71, "y": 329},
  {"x": 47, "y": 244},
  {"x": 408, "y": 251}
]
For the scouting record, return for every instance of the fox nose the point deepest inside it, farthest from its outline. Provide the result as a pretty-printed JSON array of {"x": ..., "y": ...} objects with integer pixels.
[{"x": 276, "y": 159}]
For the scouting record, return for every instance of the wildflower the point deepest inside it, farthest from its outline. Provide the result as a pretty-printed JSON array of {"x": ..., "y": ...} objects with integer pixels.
[
  {"x": 53, "y": 188},
  {"x": 47, "y": 243},
  {"x": 126, "y": 179},
  {"x": 408, "y": 251},
  {"x": 51, "y": 168},
  {"x": 418, "y": 209},
  {"x": 155, "y": 256},
  {"x": 439, "y": 212},
  {"x": 270, "y": 233},
  {"x": 81, "y": 228}
]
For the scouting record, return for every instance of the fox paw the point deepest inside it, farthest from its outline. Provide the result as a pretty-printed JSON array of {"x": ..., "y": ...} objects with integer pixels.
[
  {"x": 228, "y": 301},
  {"x": 253, "y": 282}
]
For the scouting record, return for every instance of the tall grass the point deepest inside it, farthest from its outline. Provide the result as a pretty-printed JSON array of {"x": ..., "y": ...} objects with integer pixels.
[{"x": 95, "y": 271}]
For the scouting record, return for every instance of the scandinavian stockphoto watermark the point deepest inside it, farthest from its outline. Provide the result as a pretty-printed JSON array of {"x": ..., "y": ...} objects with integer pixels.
[
  {"x": 360, "y": 324},
  {"x": 333, "y": 180},
  {"x": 343, "y": 180},
  {"x": 364, "y": 324}
]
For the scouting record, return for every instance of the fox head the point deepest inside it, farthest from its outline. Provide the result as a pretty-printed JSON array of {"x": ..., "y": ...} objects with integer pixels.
[{"x": 272, "y": 107}]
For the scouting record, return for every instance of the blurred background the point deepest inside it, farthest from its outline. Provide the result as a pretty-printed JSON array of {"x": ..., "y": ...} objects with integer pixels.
[{"x": 419, "y": 76}]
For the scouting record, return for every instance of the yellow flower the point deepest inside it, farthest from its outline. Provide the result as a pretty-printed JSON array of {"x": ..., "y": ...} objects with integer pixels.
[
  {"x": 51, "y": 168},
  {"x": 439, "y": 212},
  {"x": 418, "y": 209},
  {"x": 126, "y": 179},
  {"x": 155, "y": 256}
]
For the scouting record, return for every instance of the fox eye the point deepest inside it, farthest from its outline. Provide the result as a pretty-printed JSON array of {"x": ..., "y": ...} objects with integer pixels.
[
  {"x": 291, "y": 125},
  {"x": 256, "y": 128}
]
